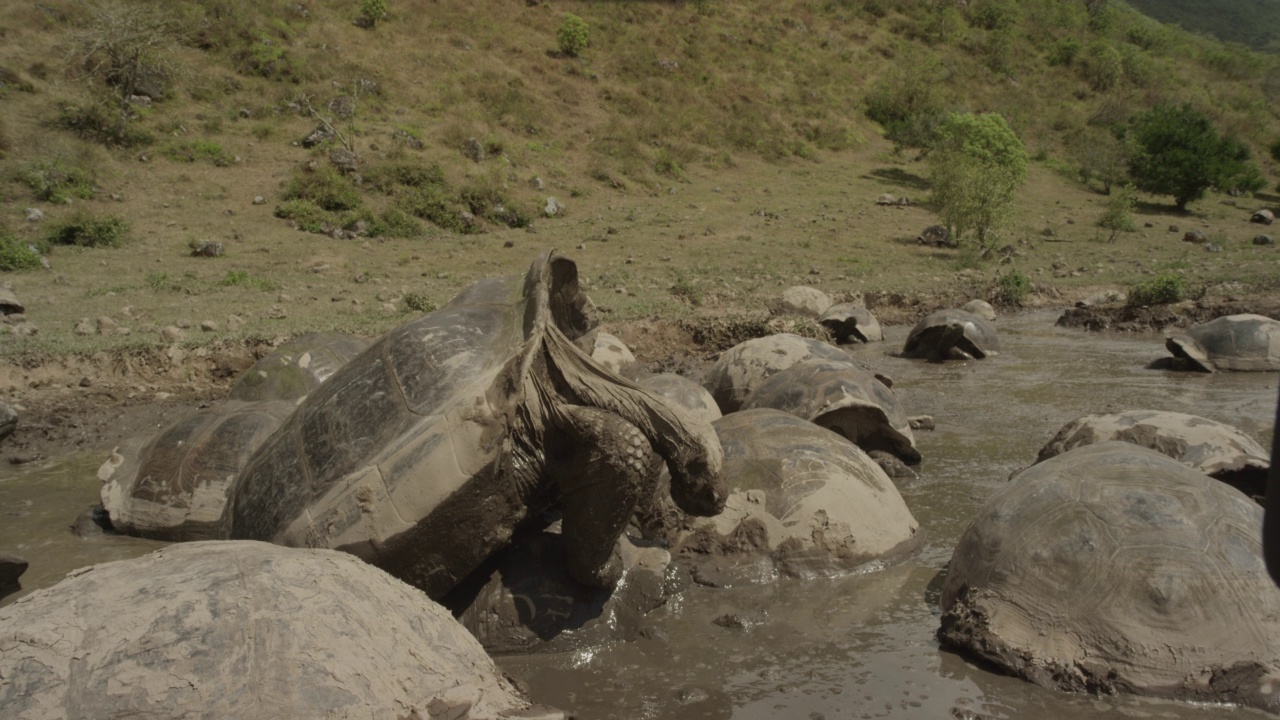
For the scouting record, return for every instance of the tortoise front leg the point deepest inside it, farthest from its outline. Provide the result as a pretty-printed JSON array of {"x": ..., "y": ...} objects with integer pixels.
[{"x": 603, "y": 465}]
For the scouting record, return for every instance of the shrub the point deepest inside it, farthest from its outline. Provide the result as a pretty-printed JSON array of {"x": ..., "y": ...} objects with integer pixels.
[
  {"x": 17, "y": 255},
  {"x": 198, "y": 150},
  {"x": 1012, "y": 288},
  {"x": 976, "y": 166},
  {"x": 56, "y": 181},
  {"x": 1162, "y": 290},
  {"x": 1118, "y": 216},
  {"x": 325, "y": 187},
  {"x": 1102, "y": 66},
  {"x": 394, "y": 222},
  {"x": 89, "y": 231},
  {"x": 90, "y": 122},
  {"x": 306, "y": 215},
  {"x": 418, "y": 302},
  {"x": 373, "y": 10},
  {"x": 908, "y": 104},
  {"x": 572, "y": 35},
  {"x": 1064, "y": 52},
  {"x": 1179, "y": 152}
]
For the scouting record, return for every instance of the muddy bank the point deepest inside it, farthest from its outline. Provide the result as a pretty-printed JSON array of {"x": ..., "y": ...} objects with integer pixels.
[{"x": 1123, "y": 318}]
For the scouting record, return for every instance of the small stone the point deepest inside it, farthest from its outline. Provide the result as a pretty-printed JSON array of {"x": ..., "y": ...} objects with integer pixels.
[
  {"x": 553, "y": 207},
  {"x": 208, "y": 325},
  {"x": 206, "y": 248},
  {"x": 35, "y": 214},
  {"x": 259, "y": 200},
  {"x": 106, "y": 325},
  {"x": 1263, "y": 240},
  {"x": 84, "y": 327},
  {"x": 173, "y": 334},
  {"x": 509, "y": 244}
]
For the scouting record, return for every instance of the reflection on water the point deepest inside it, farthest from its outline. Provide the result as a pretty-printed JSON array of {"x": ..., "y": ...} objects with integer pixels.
[{"x": 853, "y": 647}]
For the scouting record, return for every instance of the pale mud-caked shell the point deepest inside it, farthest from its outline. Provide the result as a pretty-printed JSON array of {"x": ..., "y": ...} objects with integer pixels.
[
  {"x": 1113, "y": 568},
  {"x": 951, "y": 334},
  {"x": 741, "y": 368},
  {"x": 683, "y": 392},
  {"x": 243, "y": 630},
  {"x": 981, "y": 308},
  {"x": 528, "y": 602},
  {"x": 608, "y": 350},
  {"x": 174, "y": 486},
  {"x": 293, "y": 370},
  {"x": 843, "y": 397},
  {"x": 804, "y": 502},
  {"x": 801, "y": 300},
  {"x": 1215, "y": 449},
  {"x": 851, "y": 323},
  {"x": 1241, "y": 343}
]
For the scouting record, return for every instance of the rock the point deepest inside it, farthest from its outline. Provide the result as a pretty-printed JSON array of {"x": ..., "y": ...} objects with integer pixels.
[
  {"x": 259, "y": 200},
  {"x": 1195, "y": 236},
  {"x": 1173, "y": 228},
  {"x": 1264, "y": 217},
  {"x": 85, "y": 327},
  {"x": 934, "y": 235},
  {"x": 36, "y": 215},
  {"x": 1102, "y": 298},
  {"x": 344, "y": 106},
  {"x": 886, "y": 199},
  {"x": 206, "y": 248},
  {"x": 474, "y": 150},
  {"x": 1213, "y": 247},
  {"x": 1263, "y": 240},
  {"x": 344, "y": 160},
  {"x": 27, "y": 329},
  {"x": 107, "y": 326},
  {"x": 208, "y": 325},
  {"x": 173, "y": 334},
  {"x": 553, "y": 207},
  {"x": 321, "y": 134}
]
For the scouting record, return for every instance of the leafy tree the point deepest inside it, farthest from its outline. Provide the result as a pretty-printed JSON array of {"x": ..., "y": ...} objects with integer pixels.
[
  {"x": 1100, "y": 156},
  {"x": 1176, "y": 150},
  {"x": 977, "y": 165},
  {"x": 124, "y": 44},
  {"x": 573, "y": 35}
]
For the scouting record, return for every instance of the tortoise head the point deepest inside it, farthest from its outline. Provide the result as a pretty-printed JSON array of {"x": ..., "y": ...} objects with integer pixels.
[{"x": 697, "y": 479}]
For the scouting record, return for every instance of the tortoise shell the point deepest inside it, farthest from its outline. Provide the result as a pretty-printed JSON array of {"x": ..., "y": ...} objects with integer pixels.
[
  {"x": 1249, "y": 343},
  {"x": 744, "y": 366},
  {"x": 951, "y": 334},
  {"x": 1114, "y": 568}
]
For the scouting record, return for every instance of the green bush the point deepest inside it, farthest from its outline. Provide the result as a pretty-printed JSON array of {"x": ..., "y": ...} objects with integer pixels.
[
  {"x": 89, "y": 231},
  {"x": 908, "y": 104},
  {"x": 394, "y": 222},
  {"x": 306, "y": 215},
  {"x": 91, "y": 122},
  {"x": 373, "y": 10},
  {"x": 1064, "y": 52},
  {"x": 434, "y": 204},
  {"x": 418, "y": 302},
  {"x": 56, "y": 181},
  {"x": 1179, "y": 152},
  {"x": 1118, "y": 216},
  {"x": 325, "y": 187},
  {"x": 17, "y": 255},
  {"x": 1102, "y": 65},
  {"x": 976, "y": 167},
  {"x": 198, "y": 151},
  {"x": 1162, "y": 290},
  {"x": 1012, "y": 288},
  {"x": 572, "y": 35}
]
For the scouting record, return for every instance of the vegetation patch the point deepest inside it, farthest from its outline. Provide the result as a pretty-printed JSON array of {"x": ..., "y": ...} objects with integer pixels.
[
  {"x": 88, "y": 230},
  {"x": 1162, "y": 290}
]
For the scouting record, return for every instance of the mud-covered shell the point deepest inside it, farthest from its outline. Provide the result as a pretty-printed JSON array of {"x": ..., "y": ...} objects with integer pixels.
[
  {"x": 850, "y": 323},
  {"x": 744, "y": 366},
  {"x": 174, "y": 486},
  {"x": 842, "y": 397},
  {"x": 804, "y": 502},
  {"x": 242, "y": 630},
  {"x": 608, "y": 350},
  {"x": 1114, "y": 568},
  {"x": 293, "y": 370},
  {"x": 981, "y": 308},
  {"x": 1242, "y": 343},
  {"x": 948, "y": 334},
  {"x": 1213, "y": 448},
  {"x": 683, "y": 392},
  {"x": 529, "y": 603}
]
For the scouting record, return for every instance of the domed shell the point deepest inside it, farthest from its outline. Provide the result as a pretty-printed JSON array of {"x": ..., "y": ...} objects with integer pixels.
[
  {"x": 297, "y": 367},
  {"x": 850, "y": 323},
  {"x": 1245, "y": 343},
  {"x": 801, "y": 300},
  {"x": 744, "y": 366},
  {"x": 951, "y": 334},
  {"x": 844, "y": 398},
  {"x": 981, "y": 308},
  {"x": 175, "y": 486},
  {"x": 1213, "y": 448},
  {"x": 243, "y": 630},
  {"x": 683, "y": 392},
  {"x": 608, "y": 350},
  {"x": 804, "y": 502},
  {"x": 1114, "y": 568}
]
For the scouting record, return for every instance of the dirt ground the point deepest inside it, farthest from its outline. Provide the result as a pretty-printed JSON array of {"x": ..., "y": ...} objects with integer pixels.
[{"x": 67, "y": 405}]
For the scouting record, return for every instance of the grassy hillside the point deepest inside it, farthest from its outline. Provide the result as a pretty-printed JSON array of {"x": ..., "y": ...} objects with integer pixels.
[
  {"x": 705, "y": 154},
  {"x": 1255, "y": 23}
]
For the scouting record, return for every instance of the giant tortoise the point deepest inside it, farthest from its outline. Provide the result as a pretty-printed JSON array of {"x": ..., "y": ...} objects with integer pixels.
[
  {"x": 843, "y": 397},
  {"x": 243, "y": 630},
  {"x": 1232, "y": 342},
  {"x": 742, "y": 367},
  {"x": 1215, "y": 449},
  {"x": 174, "y": 486},
  {"x": 425, "y": 454},
  {"x": 851, "y": 323},
  {"x": 805, "y": 502},
  {"x": 951, "y": 334},
  {"x": 1113, "y": 568}
]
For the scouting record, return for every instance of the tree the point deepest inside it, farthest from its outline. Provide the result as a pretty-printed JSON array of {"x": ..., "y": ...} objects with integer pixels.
[
  {"x": 1176, "y": 150},
  {"x": 976, "y": 165},
  {"x": 123, "y": 44}
]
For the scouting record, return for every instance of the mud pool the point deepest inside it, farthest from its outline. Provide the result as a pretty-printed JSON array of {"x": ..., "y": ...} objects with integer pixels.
[{"x": 854, "y": 647}]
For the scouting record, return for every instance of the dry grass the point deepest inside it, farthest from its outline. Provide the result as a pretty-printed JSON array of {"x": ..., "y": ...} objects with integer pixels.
[{"x": 706, "y": 162}]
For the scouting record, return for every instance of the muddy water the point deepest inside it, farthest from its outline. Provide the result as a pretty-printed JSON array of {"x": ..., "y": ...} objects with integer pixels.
[
  {"x": 853, "y": 647},
  {"x": 864, "y": 647}
]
